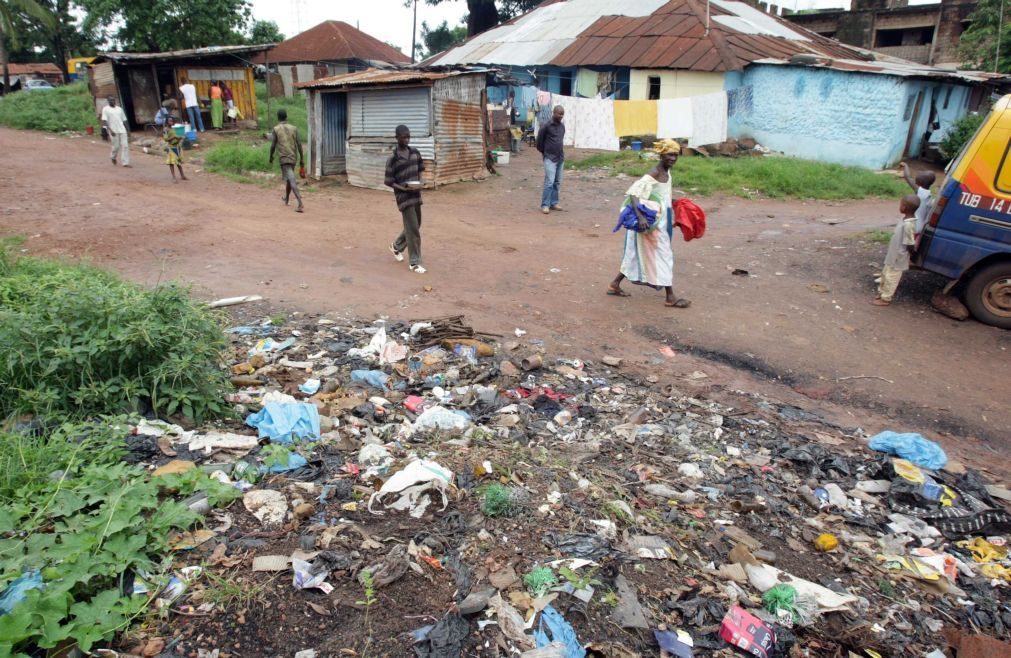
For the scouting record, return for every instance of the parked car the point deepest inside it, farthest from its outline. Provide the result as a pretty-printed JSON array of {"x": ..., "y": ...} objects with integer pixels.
[
  {"x": 38, "y": 85},
  {"x": 968, "y": 233}
]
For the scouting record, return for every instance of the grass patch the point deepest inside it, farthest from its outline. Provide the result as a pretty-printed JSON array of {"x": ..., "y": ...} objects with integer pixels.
[
  {"x": 238, "y": 157},
  {"x": 80, "y": 342},
  {"x": 69, "y": 107},
  {"x": 881, "y": 236},
  {"x": 773, "y": 177},
  {"x": 294, "y": 106}
]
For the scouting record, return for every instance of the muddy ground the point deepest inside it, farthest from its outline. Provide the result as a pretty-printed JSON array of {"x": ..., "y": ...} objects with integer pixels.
[{"x": 799, "y": 327}]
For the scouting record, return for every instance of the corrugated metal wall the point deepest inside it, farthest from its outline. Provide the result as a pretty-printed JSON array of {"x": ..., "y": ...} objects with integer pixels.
[
  {"x": 366, "y": 160},
  {"x": 334, "y": 133},
  {"x": 459, "y": 129},
  {"x": 377, "y": 113}
]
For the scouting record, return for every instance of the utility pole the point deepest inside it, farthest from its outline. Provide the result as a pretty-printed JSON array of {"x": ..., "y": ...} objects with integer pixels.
[
  {"x": 1000, "y": 33},
  {"x": 414, "y": 32}
]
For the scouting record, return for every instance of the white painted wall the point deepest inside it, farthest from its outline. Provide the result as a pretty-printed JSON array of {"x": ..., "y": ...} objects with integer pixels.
[{"x": 674, "y": 84}]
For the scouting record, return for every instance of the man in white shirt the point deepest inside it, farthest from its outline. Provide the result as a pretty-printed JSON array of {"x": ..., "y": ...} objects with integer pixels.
[
  {"x": 114, "y": 122},
  {"x": 189, "y": 94}
]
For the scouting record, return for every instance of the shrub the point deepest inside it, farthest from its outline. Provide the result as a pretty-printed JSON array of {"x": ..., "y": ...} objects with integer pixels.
[
  {"x": 959, "y": 134},
  {"x": 496, "y": 500},
  {"x": 65, "y": 108},
  {"x": 80, "y": 342}
]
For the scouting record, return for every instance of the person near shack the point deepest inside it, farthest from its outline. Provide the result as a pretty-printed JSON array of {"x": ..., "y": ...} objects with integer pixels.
[
  {"x": 226, "y": 95},
  {"x": 189, "y": 94},
  {"x": 921, "y": 186},
  {"x": 901, "y": 247},
  {"x": 549, "y": 143},
  {"x": 284, "y": 139},
  {"x": 217, "y": 106},
  {"x": 648, "y": 259},
  {"x": 114, "y": 122},
  {"x": 174, "y": 147},
  {"x": 403, "y": 174}
]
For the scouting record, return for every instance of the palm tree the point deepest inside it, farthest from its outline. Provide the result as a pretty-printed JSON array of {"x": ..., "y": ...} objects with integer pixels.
[{"x": 9, "y": 9}]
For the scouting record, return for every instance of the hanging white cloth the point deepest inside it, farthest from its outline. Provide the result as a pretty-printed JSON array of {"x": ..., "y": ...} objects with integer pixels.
[
  {"x": 709, "y": 119},
  {"x": 675, "y": 118},
  {"x": 594, "y": 125}
]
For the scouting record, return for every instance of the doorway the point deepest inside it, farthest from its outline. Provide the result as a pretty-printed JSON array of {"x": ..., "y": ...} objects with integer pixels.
[{"x": 334, "y": 134}]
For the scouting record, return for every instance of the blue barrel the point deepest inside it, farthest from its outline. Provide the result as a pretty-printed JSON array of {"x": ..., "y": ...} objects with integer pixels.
[
  {"x": 636, "y": 145},
  {"x": 192, "y": 136}
]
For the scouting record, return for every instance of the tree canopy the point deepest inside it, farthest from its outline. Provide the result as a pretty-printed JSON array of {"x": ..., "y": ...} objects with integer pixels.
[
  {"x": 435, "y": 40},
  {"x": 978, "y": 44},
  {"x": 483, "y": 15},
  {"x": 160, "y": 25},
  {"x": 265, "y": 32}
]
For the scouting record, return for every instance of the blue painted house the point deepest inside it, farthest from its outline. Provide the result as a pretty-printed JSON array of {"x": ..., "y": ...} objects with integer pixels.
[{"x": 792, "y": 90}]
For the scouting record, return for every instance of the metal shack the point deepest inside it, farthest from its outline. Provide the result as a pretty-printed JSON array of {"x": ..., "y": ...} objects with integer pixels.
[
  {"x": 142, "y": 80},
  {"x": 352, "y": 119}
]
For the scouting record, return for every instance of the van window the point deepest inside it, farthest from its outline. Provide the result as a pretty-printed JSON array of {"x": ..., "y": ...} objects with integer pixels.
[{"x": 1002, "y": 181}]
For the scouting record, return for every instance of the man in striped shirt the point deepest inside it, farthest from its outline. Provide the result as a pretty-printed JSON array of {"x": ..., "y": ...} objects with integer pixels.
[{"x": 403, "y": 174}]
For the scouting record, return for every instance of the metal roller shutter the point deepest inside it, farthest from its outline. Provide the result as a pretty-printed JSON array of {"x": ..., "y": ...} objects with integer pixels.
[{"x": 378, "y": 113}]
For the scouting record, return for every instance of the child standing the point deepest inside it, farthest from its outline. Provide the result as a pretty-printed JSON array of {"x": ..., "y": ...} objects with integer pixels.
[
  {"x": 901, "y": 247},
  {"x": 174, "y": 145},
  {"x": 921, "y": 185}
]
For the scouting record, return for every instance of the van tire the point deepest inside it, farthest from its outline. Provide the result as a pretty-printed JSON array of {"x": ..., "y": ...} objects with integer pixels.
[{"x": 988, "y": 295}]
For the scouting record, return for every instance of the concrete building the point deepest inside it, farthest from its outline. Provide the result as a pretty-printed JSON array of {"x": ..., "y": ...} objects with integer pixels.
[
  {"x": 328, "y": 49},
  {"x": 926, "y": 34}
]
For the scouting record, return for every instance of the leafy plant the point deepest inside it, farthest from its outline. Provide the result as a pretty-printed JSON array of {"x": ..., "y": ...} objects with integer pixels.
[
  {"x": 65, "y": 108},
  {"x": 579, "y": 582},
  {"x": 274, "y": 454},
  {"x": 540, "y": 581},
  {"x": 84, "y": 529},
  {"x": 81, "y": 342},
  {"x": 496, "y": 500},
  {"x": 959, "y": 134},
  {"x": 611, "y": 599},
  {"x": 368, "y": 589},
  {"x": 195, "y": 480}
]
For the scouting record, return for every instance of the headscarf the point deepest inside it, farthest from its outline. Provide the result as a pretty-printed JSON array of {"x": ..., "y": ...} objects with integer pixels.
[{"x": 665, "y": 146}]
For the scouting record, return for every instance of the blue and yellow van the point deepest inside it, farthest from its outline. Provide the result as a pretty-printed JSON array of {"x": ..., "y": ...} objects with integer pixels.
[{"x": 968, "y": 233}]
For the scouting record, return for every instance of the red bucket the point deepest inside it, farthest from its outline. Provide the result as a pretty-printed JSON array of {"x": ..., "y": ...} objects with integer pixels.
[{"x": 89, "y": 130}]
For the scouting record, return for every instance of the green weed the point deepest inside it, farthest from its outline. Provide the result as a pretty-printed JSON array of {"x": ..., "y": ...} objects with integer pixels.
[
  {"x": 496, "y": 500},
  {"x": 81, "y": 529},
  {"x": 774, "y": 177},
  {"x": 232, "y": 591},
  {"x": 294, "y": 106},
  {"x": 274, "y": 454},
  {"x": 579, "y": 582},
  {"x": 881, "y": 236},
  {"x": 65, "y": 108},
  {"x": 279, "y": 319},
  {"x": 239, "y": 156},
  {"x": 540, "y": 581},
  {"x": 610, "y": 599},
  {"x": 80, "y": 342}
]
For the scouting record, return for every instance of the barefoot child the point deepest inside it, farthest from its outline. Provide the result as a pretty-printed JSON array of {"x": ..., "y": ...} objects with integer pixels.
[
  {"x": 174, "y": 145},
  {"x": 901, "y": 247},
  {"x": 921, "y": 185}
]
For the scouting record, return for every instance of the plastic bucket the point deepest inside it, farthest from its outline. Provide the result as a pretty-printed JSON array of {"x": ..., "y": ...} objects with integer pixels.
[
  {"x": 180, "y": 130},
  {"x": 636, "y": 145},
  {"x": 191, "y": 135},
  {"x": 502, "y": 157}
]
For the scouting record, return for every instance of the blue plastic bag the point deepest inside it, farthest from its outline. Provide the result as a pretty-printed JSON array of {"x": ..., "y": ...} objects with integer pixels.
[
  {"x": 912, "y": 447},
  {"x": 629, "y": 220},
  {"x": 295, "y": 461},
  {"x": 374, "y": 378},
  {"x": 559, "y": 630},
  {"x": 15, "y": 592},
  {"x": 279, "y": 421}
]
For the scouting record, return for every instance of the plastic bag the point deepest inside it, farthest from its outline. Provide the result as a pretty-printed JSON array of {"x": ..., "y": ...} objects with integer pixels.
[
  {"x": 558, "y": 630},
  {"x": 912, "y": 447},
  {"x": 280, "y": 422}
]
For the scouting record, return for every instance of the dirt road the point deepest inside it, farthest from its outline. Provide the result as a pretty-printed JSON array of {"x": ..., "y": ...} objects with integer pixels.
[{"x": 798, "y": 327}]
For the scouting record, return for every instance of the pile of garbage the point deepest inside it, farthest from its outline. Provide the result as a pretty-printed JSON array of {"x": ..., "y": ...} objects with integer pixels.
[{"x": 419, "y": 487}]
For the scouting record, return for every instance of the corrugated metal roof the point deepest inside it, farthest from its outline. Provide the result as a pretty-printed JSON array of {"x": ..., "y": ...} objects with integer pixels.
[
  {"x": 193, "y": 53},
  {"x": 896, "y": 67},
  {"x": 384, "y": 77},
  {"x": 644, "y": 34},
  {"x": 33, "y": 69},
  {"x": 333, "y": 41}
]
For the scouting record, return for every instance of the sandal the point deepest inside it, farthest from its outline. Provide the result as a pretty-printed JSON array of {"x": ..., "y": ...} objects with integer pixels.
[
  {"x": 617, "y": 292},
  {"x": 679, "y": 303}
]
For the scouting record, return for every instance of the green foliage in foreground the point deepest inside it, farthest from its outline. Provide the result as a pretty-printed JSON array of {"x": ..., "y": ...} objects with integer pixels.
[
  {"x": 239, "y": 156},
  {"x": 774, "y": 177},
  {"x": 959, "y": 134},
  {"x": 80, "y": 342},
  {"x": 65, "y": 108},
  {"x": 73, "y": 514}
]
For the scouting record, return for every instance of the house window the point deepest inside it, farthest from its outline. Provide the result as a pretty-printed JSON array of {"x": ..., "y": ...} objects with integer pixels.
[
  {"x": 915, "y": 36},
  {"x": 565, "y": 83},
  {"x": 947, "y": 98},
  {"x": 654, "y": 87},
  {"x": 830, "y": 35}
]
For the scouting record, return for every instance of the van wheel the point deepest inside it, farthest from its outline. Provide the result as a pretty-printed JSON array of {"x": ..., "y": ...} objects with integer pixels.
[{"x": 988, "y": 295}]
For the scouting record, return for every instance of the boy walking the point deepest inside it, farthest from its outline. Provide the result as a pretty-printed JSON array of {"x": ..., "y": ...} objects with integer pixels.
[
  {"x": 901, "y": 247},
  {"x": 284, "y": 139},
  {"x": 114, "y": 122},
  {"x": 921, "y": 185},
  {"x": 403, "y": 174}
]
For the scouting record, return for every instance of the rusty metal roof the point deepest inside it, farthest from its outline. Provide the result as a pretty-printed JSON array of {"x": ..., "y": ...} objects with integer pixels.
[
  {"x": 193, "y": 53},
  {"x": 660, "y": 34},
  {"x": 333, "y": 41},
  {"x": 385, "y": 77},
  {"x": 34, "y": 69}
]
